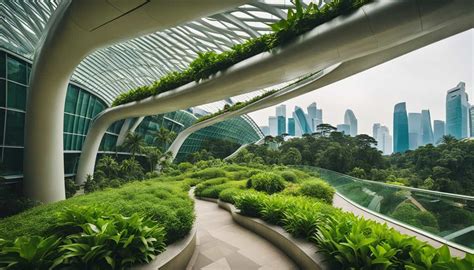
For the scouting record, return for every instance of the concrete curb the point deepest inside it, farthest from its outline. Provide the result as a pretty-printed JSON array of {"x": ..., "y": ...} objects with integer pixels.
[{"x": 176, "y": 255}]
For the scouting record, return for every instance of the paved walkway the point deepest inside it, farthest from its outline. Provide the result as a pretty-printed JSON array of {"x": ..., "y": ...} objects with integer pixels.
[{"x": 223, "y": 244}]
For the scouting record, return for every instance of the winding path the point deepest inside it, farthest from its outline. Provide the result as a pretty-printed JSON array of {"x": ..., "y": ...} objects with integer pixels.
[{"x": 222, "y": 244}]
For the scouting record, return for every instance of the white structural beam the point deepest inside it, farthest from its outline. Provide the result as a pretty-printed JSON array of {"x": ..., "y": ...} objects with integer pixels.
[
  {"x": 75, "y": 30},
  {"x": 374, "y": 28}
]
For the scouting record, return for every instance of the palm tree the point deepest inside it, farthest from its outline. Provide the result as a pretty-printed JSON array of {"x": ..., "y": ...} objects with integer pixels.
[
  {"x": 164, "y": 137},
  {"x": 153, "y": 155},
  {"x": 133, "y": 143},
  {"x": 109, "y": 166}
]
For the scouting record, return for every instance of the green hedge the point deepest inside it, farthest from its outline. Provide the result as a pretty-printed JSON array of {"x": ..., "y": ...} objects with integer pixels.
[
  {"x": 267, "y": 182},
  {"x": 208, "y": 63},
  {"x": 110, "y": 229},
  {"x": 165, "y": 203},
  {"x": 318, "y": 189}
]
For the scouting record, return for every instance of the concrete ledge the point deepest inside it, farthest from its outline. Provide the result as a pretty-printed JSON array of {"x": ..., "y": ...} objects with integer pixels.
[
  {"x": 176, "y": 255},
  {"x": 305, "y": 254}
]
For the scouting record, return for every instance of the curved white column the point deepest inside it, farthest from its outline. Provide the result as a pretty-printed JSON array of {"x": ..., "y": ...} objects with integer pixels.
[
  {"x": 374, "y": 28},
  {"x": 75, "y": 30}
]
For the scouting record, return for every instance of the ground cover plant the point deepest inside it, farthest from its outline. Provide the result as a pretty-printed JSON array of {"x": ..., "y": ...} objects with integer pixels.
[
  {"x": 298, "y": 21},
  {"x": 349, "y": 242},
  {"x": 109, "y": 229}
]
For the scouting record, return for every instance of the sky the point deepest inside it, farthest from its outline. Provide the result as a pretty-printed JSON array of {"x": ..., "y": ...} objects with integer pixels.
[{"x": 420, "y": 78}]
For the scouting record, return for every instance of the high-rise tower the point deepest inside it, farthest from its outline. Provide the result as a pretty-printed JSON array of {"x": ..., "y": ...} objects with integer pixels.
[
  {"x": 400, "y": 128},
  {"x": 457, "y": 111},
  {"x": 351, "y": 120},
  {"x": 427, "y": 130}
]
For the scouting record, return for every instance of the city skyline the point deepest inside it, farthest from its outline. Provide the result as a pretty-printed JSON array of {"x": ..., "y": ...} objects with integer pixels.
[{"x": 377, "y": 89}]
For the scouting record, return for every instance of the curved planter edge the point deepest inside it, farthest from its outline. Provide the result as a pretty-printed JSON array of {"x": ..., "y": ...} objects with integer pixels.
[
  {"x": 176, "y": 255},
  {"x": 305, "y": 254}
]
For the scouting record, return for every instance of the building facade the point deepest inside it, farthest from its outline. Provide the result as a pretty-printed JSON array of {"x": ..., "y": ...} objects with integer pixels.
[
  {"x": 301, "y": 123},
  {"x": 344, "y": 128},
  {"x": 471, "y": 120},
  {"x": 291, "y": 126},
  {"x": 281, "y": 119},
  {"x": 351, "y": 120},
  {"x": 427, "y": 130},
  {"x": 400, "y": 128},
  {"x": 273, "y": 125},
  {"x": 439, "y": 131},
  {"x": 457, "y": 107},
  {"x": 415, "y": 130}
]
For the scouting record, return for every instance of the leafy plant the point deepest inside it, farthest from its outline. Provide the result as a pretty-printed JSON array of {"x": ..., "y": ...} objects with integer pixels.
[
  {"x": 250, "y": 203},
  {"x": 318, "y": 189},
  {"x": 29, "y": 252},
  {"x": 114, "y": 242},
  {"x": 267, "y": 182}
]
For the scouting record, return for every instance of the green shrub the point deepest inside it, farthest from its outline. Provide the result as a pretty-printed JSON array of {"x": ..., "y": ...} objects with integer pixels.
[
  {"x": 209, "y": 173},
  {"x": 292, "y": 190},
  {"x": 70, "y": 187},
  {"x": 250, "y": 203},
  {"x": 304, "y": 216},
  {"x": 318, "y": 189},
  {"x": 229, "y": 194},
  {"x": 185, "y": 166},
  {"x": 165, "y": 203},
  {"x": 110, "y": 241},
  {"x": 274, "y": 208},
  {"x": 267, "y": 182},
  {"x": 212, "y": 188},
  {"x": 289, "y": 176},
  {"x": 29, "y": 252},
  {"x": 209, "y": 183}
]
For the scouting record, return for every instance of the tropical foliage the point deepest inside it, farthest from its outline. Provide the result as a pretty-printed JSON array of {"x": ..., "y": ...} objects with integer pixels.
[
  {"x": 111, "y": 229},
  {"x": 207, "y": 63},
  {"x": 349, "y": 242},
  {"x": 447, "y": 167}
]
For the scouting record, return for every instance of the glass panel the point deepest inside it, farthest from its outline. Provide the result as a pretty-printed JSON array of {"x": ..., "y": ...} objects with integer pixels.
[
  {"x": 16, "y": 70},
  {"x": 68, "y": 123},
  {"x": 71, "y": 99},
  {"x": 16, "y": 96},
  {"x": 15, "y": 128},
  {"x": 70, "y": 162},
  {"x": 90, "y": 107},
  {"x": 2, "y": 125},
  {"x": 80, "y": 129},
  {"x": 446, "y": 215},
  {"x": 2, "y": 64},
  {"x": 3, "y": 91},
  {"x": 85, "y": 102},
  {"x": 13, "y": 160},
  {"x": 79, "y": 102}
]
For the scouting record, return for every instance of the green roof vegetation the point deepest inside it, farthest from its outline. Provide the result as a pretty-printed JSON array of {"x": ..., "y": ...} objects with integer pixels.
[{"x": 298, "y": 21}]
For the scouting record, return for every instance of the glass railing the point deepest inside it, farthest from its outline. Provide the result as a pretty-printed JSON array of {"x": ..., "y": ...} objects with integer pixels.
[{"x": 448, "y": 216}]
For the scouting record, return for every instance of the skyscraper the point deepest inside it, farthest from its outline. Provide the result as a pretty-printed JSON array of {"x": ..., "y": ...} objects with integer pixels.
[
  {"x": 471, "y": 120},
  {"x": 273, "y": 125},
  {"x": 315, "y": 116},
  {"x": 386, "y": 139},
  {"x": 291, "y": 126},
  {"x": 265, "y": 130},
  {"x": 351, "y": 120},
  {"x": 344, "y": 128},
  {"x": 427, "y": 130},
  {"x": 439, "y": 131},
  {"x": 301, "y": 123},
  {"x": 375, "y": 130},
  {"x": 382, "y": 135},
  {"x": 400, "y": 128},
  {"x": 415, "y": 130},
  {"x": 457, "y": 111},
  {"x": 281, "y": 119}
]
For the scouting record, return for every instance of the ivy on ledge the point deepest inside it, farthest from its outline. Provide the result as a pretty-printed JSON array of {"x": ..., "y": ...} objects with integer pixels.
[{"x": 298, "y": 21}]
